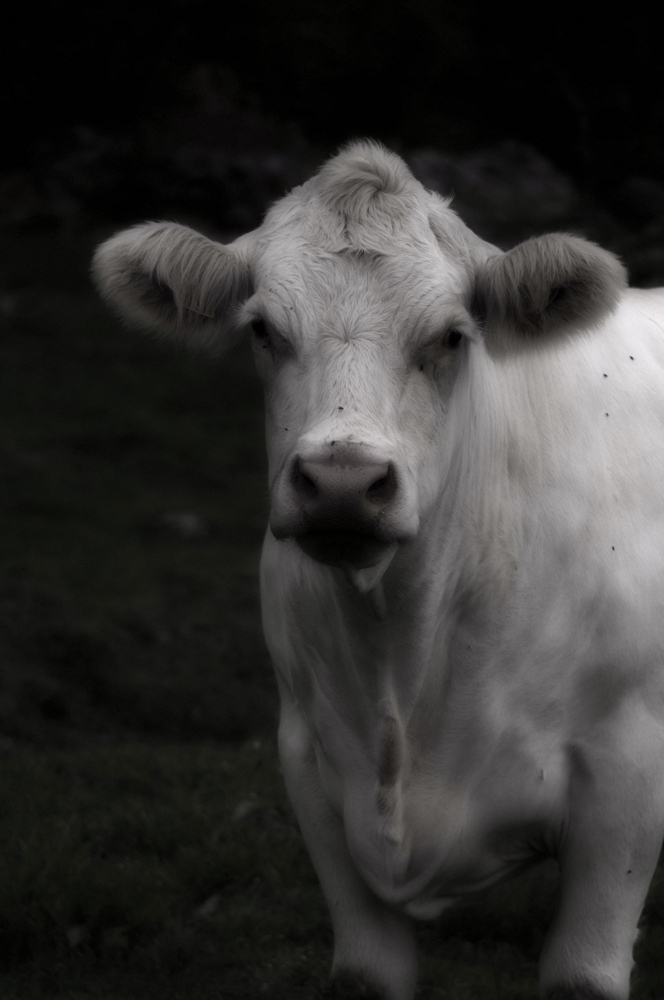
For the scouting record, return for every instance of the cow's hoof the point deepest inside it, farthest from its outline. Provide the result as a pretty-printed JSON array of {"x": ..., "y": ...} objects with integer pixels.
[{"x": 353, "y": 986}]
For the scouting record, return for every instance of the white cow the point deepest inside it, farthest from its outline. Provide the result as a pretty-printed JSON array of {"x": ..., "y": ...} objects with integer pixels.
[{"x": 463, "y": 577}]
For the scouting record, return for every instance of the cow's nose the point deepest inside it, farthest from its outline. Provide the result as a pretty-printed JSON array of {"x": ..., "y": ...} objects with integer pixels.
[
  {"x": 343, "y": 503},
  {"x": 339, "y": 489}
]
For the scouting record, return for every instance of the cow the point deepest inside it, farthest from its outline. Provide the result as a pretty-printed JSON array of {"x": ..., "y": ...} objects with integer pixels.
[{"x": 462, "y": 580}]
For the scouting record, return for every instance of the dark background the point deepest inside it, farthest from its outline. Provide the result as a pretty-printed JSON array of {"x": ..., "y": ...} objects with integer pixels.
[{"x": 119, "y": 110}]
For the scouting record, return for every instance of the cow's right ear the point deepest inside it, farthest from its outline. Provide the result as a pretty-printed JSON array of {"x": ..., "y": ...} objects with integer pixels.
[
  {"x": 173, "y": 280},
  {"x": 545, "y": 287}
]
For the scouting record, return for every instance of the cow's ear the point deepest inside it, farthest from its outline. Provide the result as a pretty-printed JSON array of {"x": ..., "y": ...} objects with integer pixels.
[
  {"x": 173, "y": 280},
  {"x": 547, "y": 285}
]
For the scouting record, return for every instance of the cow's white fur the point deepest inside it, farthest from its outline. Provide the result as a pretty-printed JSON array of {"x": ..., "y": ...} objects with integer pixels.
[{"x": 492, "y": 691}]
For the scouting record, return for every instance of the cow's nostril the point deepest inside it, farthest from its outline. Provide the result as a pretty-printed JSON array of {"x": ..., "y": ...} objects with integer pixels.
[
  {"x": 383, "y": 489},
  {"x": 378, "y": 488},
  {"x": 303, "y": 485}
]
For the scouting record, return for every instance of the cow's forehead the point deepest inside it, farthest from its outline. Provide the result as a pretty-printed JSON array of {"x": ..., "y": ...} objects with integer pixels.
[
  {"x": 315, "y": 253},
  {"x": 364, "y": 234},
  {"x": 351, "y": 292}
]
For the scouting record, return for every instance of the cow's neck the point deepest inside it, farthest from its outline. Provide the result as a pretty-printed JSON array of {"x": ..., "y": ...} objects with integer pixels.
[
  {"x": 401, "y": 638},
  {"x": 431, "y": 634},
  {"x": 410, "y": 632}
]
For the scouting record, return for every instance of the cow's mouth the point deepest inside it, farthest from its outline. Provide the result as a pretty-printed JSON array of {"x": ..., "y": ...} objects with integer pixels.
[{"x": 348, "y": 549}]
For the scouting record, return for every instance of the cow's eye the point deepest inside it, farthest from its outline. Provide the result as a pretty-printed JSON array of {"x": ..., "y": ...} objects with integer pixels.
[
  {"x": 259, "y": 328},
  {"x": 453, "y": 338}
]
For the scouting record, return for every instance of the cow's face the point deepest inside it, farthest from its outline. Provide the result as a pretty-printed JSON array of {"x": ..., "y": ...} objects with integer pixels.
[
  {"x": 365, "y": 297},
  {"x": 357, "y": 351}
]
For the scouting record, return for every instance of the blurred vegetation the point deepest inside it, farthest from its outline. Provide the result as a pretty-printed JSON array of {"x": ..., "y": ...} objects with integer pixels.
[
  {"x": 133, "y": 497},
  {"x": 583, "y": 86}
]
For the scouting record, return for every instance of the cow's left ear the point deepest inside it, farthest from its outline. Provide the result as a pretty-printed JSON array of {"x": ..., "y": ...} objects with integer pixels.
[
  {"x": 175, "y": 281},
  {"x": 546, "y": 285}
]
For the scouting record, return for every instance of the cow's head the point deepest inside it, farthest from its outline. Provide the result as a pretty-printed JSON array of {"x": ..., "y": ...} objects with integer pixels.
[{"x": 365, "y": 297}]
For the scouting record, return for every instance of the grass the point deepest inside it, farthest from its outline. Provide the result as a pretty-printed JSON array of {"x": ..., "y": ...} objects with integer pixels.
[
  {"x": 147, "y": 871},
  {"x": 177, "y": 870},
  {"x": 148, "y": 848}
]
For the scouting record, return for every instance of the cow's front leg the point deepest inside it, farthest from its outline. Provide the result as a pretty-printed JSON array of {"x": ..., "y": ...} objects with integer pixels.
[
  {"x": 608, "y": 854},
  {"x": 374, "y": 946}
]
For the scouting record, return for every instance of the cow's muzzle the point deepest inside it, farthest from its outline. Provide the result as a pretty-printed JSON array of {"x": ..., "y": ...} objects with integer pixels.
[{"x": 342, "y": 505}]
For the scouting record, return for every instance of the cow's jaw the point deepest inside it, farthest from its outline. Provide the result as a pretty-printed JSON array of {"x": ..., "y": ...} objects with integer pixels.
[{"x": 345, "y": 549}]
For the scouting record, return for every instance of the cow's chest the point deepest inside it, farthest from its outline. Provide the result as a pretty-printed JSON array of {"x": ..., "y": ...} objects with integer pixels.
[
  {"x": 425, "y": 825},
  {"x": 445, "y": 762}
]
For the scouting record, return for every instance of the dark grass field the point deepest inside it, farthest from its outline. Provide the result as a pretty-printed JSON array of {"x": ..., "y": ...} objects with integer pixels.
[{"x": 148, "y": 848}]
